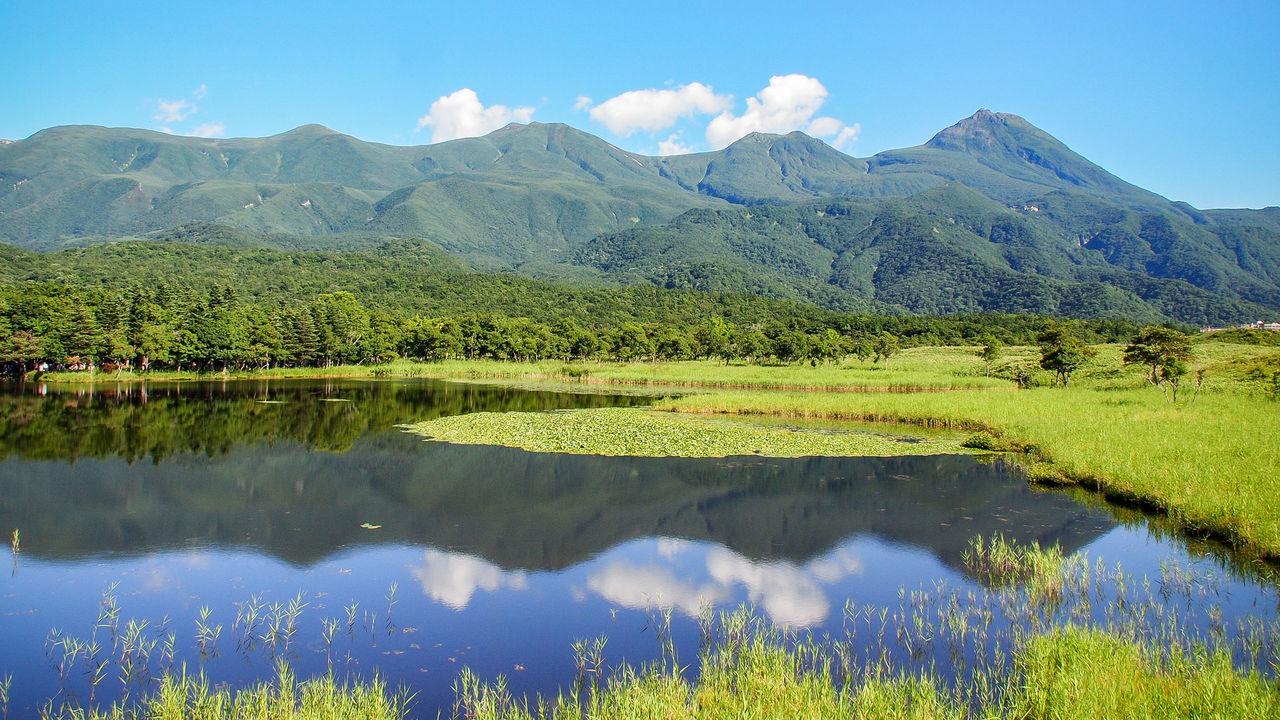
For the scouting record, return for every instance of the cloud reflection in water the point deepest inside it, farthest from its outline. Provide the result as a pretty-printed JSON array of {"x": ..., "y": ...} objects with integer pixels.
[
  {"x": 789, "y": 593},
  {"x": 453, "y": 578}
]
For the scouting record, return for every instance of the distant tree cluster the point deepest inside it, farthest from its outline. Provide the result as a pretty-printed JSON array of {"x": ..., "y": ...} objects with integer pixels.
[{"x": 177, "y": 327}]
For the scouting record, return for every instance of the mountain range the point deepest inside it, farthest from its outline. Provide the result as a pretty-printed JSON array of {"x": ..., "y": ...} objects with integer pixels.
[{"x": 992, "y": 214}]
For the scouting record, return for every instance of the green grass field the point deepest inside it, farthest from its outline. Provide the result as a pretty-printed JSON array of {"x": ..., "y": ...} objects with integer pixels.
[
  {"x": 1211, "y": 462},
  {"x": 922, "y": 368},
  {"x": 183, "y": 696}
]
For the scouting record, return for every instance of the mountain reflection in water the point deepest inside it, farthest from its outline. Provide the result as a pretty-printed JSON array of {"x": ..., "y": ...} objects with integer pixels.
[{"x": 210, "y": 493}]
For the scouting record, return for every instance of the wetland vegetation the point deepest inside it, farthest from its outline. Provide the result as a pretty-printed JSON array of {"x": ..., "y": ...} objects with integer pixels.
[
  {"x": 1027, "y": 634},
  {"x": 1207, "y": 459},
  {"x": 642, "y": 433},
  {"x": 1047, "y": 635}
]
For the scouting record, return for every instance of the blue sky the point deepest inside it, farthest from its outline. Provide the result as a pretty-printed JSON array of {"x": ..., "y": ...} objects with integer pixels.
[{"x": 1181, "y": 98}]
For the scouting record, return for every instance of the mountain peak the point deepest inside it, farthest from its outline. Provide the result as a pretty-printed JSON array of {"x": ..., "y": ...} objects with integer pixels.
[
  {"x": 534, "y": 125},
  {"x": 756, "y": 138},
  {"x": 311, "y": 129},
  {"x": 764, "y": 138},
  {"x": 985, "y": 115},
  {"x": 979, "y": 131},
  {"x": 1008, "y": 144},
  {"x": 512, "y": 127}
]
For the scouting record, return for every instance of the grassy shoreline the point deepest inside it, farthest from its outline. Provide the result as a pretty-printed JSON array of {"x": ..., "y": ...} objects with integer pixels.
[
  {"x": 915, "y": 371},
  {"x": 1211, "y": 464},
  {"x": 1024, "y": 646},
  {"x": 1071, "y": 672}
]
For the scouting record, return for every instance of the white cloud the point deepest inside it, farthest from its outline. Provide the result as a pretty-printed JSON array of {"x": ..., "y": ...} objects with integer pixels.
[
  {"x": 847, "y": 134},
  {"x": 452, "y": 578},
  {"x": 834, "y": 130},
  {"x": 640, "y": 587},
  {"x": 673, "y": 146},
  {"x": 825, "y": 126},
  {"x": 788, "y": 103},
  {"x": 169, "y": 111},
  {"x": 836, "y": 566},
  {"x": 787, "y": 594},
  {"x": 174, "y": 111},
  {"x": 653, "y": 110},
  {"x": 461, "y": 114},
  {"x": 209, "y": 130},
  {"x": 582, "y": 103},
  {"x": 669, "y": 547}
]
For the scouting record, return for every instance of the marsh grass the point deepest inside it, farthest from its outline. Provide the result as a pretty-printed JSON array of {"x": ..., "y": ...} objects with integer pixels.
[
  {"x": 181, "y": 695},
  {"x": 754, "y": 670},
  {"x": 913, "y": 370},
  {"x": 6, "y": 683},
  {"x": 640, "y": 432},
  {"x": 1107, "y": 645},
  {"x": 1212, "y": 466},
  {"x": 1000, "y": 562},
  {"x": 1110, "y": 645},
  {"x": 760, "y": 672},
  {"x": 1092, "y": 675}
]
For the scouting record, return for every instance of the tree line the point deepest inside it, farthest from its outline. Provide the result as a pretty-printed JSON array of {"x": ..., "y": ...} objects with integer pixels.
[{"x": 175, "y": 327}]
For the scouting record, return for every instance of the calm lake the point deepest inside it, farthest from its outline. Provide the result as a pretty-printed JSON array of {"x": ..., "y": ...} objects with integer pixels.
[{"x": 415, "y": 559}]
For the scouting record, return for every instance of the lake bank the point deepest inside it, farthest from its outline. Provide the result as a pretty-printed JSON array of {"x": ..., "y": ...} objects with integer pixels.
[
  {"x": 586, "y": 545},
  {"x": 1209, "y": 461}
]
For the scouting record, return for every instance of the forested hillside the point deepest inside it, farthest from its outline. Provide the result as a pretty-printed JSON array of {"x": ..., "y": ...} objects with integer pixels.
[
  {"x": 211, "y": 306},
  {"x": 991, "y": 214},
  {"x": 950, "y": 249}
]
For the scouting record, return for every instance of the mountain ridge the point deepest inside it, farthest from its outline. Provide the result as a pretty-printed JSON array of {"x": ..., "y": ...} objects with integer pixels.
[
  {"x": 943, "y": 139},
  {"x": 548, "y": 199}
]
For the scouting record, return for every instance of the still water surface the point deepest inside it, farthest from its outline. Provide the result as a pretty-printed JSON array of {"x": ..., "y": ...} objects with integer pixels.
[{"x": 172, "y": 498}]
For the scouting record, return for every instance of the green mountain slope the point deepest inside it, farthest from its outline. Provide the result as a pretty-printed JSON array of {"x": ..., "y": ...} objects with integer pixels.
[
  {"x": 1001, "y": 155},
  {"x": 992, "y": 213},
  {"x": 946, "y": 250},
  {"x": 390, "y": 274},
  {"x": 517, "y": 193}
]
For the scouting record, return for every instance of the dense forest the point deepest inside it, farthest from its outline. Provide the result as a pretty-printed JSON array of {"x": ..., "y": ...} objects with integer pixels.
[{"x": 151, "y": 305}]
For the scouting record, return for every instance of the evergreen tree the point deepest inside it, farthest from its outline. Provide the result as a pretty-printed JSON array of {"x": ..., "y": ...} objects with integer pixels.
[
  {"x": 87, "y": 341},
  {"x": 22, "y": 348},
  {"x": 301, "y": 344}
]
